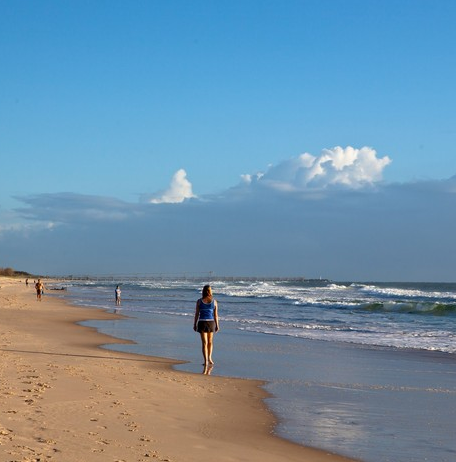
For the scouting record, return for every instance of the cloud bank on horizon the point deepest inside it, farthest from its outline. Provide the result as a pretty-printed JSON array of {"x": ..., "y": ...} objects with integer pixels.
[{"x": 325, "y": 215}]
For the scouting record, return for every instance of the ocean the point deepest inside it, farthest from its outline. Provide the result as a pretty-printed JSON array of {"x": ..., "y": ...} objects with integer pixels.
[{"x": 367, "y": 370}]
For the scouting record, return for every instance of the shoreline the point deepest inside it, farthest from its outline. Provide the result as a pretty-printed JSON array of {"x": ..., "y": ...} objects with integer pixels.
[{"x": 67, "y": 397}]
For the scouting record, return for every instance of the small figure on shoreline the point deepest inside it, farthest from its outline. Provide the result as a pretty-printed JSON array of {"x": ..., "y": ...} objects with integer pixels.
[
  {"x": 206, "y": 322},
  {"x": 39, "y": 286},
  {"x": 118, "y": 292}
]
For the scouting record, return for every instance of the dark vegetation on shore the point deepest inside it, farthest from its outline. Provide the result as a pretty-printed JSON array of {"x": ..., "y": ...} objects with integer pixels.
[{"x": 10, "y": 272}]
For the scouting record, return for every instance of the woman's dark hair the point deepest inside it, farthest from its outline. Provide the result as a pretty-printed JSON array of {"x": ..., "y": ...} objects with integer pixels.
[{"x": 207, "y": 291}]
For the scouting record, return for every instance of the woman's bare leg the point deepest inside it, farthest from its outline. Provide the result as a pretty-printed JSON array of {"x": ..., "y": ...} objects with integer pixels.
[
  {"x": 210, "y": 346},
  {"x": 204, "y": 345}
]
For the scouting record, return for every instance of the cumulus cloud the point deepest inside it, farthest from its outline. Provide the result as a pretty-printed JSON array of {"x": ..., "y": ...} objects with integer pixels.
[
  {"x": 179, "y": 190},
  {"x": 344, "y": 167}
]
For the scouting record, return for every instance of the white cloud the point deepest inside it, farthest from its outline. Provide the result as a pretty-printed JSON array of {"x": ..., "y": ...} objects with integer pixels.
[
  {"x": 348, "y": 167},
  {"x": 179, "y": 190},
  {"x": 248, "y": 179}
]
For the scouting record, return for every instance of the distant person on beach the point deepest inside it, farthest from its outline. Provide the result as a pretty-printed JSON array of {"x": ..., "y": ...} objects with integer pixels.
[
  {"x": 118, "y": 292},
  {"x": 39, "y": 286},
  {"x": 206, "y": 323}
]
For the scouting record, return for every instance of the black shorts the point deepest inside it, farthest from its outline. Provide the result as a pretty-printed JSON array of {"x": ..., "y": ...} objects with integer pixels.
[{"x": 206, "y": 326}]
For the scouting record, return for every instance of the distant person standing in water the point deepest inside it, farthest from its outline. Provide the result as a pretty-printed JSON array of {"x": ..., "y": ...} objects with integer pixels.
[
  {"x": 39, "y": 286},
  {"x": 118, "y": 292},
  {"x": 206, "y": 322}
]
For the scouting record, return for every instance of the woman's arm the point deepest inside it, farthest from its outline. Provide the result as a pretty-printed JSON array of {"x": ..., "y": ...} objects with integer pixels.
[
  {"x": 216, "y": 316},
  {"x": 197, "y": 310}
]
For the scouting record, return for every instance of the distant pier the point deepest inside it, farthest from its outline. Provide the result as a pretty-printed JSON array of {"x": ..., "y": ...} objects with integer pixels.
[{"x": 192, "y": 277}]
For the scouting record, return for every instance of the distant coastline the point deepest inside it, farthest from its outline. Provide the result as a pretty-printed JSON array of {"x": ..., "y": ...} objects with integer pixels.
[{"x": 209, "y": 276}]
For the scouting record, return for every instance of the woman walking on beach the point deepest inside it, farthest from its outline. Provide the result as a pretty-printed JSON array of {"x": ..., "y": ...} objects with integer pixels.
[{"x": 206, "y": 322}]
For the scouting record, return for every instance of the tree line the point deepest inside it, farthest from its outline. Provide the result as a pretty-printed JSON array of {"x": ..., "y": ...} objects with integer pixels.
[{"x": 10, "y": 272}]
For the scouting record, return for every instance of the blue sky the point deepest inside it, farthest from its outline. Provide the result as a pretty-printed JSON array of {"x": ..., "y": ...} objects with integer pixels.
[{"x": 304, "y": 137}]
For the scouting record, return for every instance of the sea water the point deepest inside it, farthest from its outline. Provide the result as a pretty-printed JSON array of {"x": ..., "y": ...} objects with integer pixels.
[{"x": 367, "y": 370}]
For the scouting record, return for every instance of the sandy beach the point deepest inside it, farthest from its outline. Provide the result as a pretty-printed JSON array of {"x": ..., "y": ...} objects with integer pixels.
[{"x": 65, "y": 399}]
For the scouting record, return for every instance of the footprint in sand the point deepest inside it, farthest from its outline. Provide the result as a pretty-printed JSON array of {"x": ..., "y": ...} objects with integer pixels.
[
  {"x": 132, "y": 426},
  {"x": 6, "y": 435}
]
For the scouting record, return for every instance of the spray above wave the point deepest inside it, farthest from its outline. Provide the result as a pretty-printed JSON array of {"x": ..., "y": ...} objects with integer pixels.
[{"x": 408, "y": 292}]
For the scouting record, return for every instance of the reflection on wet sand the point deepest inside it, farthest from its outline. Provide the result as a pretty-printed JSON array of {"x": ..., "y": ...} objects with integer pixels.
[{"x": 208, "y": 369}]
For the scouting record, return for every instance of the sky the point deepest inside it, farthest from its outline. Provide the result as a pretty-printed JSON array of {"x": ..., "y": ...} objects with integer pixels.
[{"x": 310, "y": 138}]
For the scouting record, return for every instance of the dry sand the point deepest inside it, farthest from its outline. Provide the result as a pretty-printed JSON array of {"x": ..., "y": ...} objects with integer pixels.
[{"x": 64, "y": 399}]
